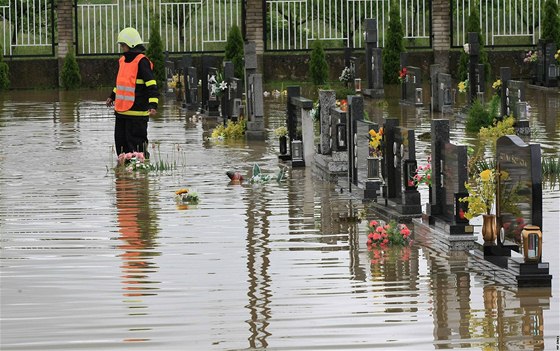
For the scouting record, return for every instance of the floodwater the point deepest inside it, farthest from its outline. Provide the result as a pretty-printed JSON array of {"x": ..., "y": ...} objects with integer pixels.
[{"x": 93, "y": 260}]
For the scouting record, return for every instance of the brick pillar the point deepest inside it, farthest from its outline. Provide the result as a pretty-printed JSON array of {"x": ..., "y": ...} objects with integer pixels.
[
  {"x": 441, "y": 27},
  {"x": 254, "y": 23},
  {"x": 65, "y": 26}
]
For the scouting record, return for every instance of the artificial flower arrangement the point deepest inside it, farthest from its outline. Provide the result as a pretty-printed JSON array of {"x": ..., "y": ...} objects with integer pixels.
[
  {"x": 402, "y": 75},
  {"x": 424, "y": 174},
  {"x": 557, "y": 56},
  {"x": 375, "y": 142},
  {"x": 281, "y": 131},
  {"x": 217, "y": 84},
  {"x": 132, "y": 161},
  {"x": 482, "y": 194},
  {"x": 185, "y": 195},
  {"x": 463, "y": 86},
  {"x": 530, "y": 56},
  {"x": 347, "y": 75},
  {"x": 382, "y": 235},
  {"x": 175, "y": 82},
  {"x": 342, "y": 104},
  {"x": 497, "y": 85}
]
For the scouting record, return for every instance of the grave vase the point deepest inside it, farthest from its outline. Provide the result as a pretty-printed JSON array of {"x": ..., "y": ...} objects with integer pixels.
[
  {"x": 489, "y": 228},
  {"x": 283, "y": 141}
]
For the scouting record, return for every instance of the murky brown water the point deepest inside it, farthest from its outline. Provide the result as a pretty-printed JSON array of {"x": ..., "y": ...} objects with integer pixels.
[{"x": 91, "y": 260}]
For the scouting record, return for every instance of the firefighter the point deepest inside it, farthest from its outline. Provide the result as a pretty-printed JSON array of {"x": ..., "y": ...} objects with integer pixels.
[{"x": 135, "y": 97}]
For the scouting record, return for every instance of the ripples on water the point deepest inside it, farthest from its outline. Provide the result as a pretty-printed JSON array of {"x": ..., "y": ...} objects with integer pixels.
[{"x": 103, "y": 261}]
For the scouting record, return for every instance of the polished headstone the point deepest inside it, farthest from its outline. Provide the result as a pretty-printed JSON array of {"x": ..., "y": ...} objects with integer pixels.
[{"x": 327, "y": 102}]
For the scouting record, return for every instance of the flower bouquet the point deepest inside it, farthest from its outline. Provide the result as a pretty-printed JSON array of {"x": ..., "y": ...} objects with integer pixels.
[
  {"x": 530, "y": 57},
  {"x": 132, "y": 161},
  {"x": 281, "y": 131},
  {"x": 482, "y": 194},
  {"x": 347, "y": 75},
  {"x": 424, "y": 174},
  {"x": 217, "y": 85},
  {"x": 463, "y": 86},
  {"x": 184, "y": 195},
  {"x": 342, "y": 104},
  {"x": 375, "y": 143},
  {"x": 402, "y": 75},
  {"x": 557, "y": 56},
  {"x": 390, "y": 234}
]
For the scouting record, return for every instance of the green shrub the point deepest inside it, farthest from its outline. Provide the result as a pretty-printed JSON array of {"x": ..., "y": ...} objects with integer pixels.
[
  {"x": 478, "y": 117},
  {"x": 234, "y": 50},
  {"x": 70, "y": 77},
  {"x": 551, "y": 22},
  {"x": 393, "y": 47},
  {"x": 318, "y": 64},
  {"x": 4, "y": 72},
  {"x": 473, "y": 25},
  {"x": 155, "y": 54}
]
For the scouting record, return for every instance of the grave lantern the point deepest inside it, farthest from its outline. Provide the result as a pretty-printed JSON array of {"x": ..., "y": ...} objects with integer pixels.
[
  {"x": 409, "y": 171},
  {"x": 358, "y": 85},
  {"x": 480, "y": 97},
  {"x": 532, "y": 243},
  {"x": 552, "y": 71},
  {"x": 341, "y": 136},
  {"x": 521, "y": 111},
  {"x": 447, "y": 98},
  {"x": 418, "y": 97},
  {"x": 297, "y": 150}
]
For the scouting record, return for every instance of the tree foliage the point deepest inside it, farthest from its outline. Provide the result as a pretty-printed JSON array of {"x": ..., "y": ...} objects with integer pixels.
[
  {"x": 473, "y": 25},
  {"x": 393, "y": 47},
  {"x": 551, "y": 22},
  {"x": 4, "y": 72},
  {"x": 318, "y": 64},
  {"x": 234, "y": 50},
  {"x": 155, "y": 54},
  {"x": 70, "y": 77}
]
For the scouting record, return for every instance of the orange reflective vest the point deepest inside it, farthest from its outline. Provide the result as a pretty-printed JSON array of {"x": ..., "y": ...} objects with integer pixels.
[{"x": 126, "y": 83}]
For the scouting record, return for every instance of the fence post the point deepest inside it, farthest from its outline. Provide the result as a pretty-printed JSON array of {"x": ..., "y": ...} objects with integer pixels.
[
  {"x": 65, "y": 26},
  {"x": 441, "y": 26}
]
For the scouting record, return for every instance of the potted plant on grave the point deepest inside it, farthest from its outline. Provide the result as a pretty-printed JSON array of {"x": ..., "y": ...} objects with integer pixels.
[
  {"x": 482, "y": 195},
  {"x": 282, "y": 135},
  {"x": 375, "y": 153}
]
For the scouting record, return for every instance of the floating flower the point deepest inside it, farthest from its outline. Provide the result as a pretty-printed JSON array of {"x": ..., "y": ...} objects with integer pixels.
[{"x": 181, "y": 191}]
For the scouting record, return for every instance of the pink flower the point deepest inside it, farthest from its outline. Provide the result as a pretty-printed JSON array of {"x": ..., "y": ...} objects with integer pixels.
[
  {"x": 385, "y": 242},
  {"x": 370, "y": 236},
  {"x": 410, "y": 183},
  {"x": 376, "y": 237},
  {"x": 372, "y": 223},
  {"x": 379, "y": 229}
]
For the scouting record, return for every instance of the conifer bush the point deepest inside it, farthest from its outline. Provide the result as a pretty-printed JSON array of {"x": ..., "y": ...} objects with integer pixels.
[
  {"x": 155, "y": 53},
  {"x": 4, "y": 72},
  {"x": 551, "y": 22},
  {"x": 318, "y": 64},
  {"x": 473, "y": 25},
  {"x": 394, "y": 45},
  {"x": 234, "y": 50},
  {"x": 70, "y": 77}
]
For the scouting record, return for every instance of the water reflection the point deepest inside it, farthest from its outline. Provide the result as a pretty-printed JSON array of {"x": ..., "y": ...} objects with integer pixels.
[{"x": 137, "y": 223}]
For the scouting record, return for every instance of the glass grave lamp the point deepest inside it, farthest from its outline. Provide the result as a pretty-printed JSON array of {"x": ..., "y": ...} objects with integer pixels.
[
  {"x": 297, "y": 150},
  {"x": 409, "y": 171},
  {"x": 418, "y": 96},
  {"x": 532, "y": 243},
  {"x": 552, "y": 71},
  {"x": 521, "y": 107},
  {"x": 341, "y": 136},
  {"x": 358, "y": 85}
]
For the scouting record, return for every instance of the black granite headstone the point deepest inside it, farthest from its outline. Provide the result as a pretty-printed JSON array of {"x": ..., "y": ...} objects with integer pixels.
[
  {"x": 519, "y": 188},
  {"x": 474, "y": 53}
]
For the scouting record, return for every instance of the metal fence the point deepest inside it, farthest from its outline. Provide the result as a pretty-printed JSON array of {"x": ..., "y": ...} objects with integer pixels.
[
  {"x": 192, "y": 26},
  {"x": 293, "y": 24},
  {"x": 502, "y": 22},
  {"x": 27, "y": 27}
]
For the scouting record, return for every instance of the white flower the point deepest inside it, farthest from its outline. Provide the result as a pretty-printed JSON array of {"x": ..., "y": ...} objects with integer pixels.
[
  {"x": 212, "y": 79},
  {"x": 266, "y": 94},
  {"x": 466, "y": 47},
  {"x": 276, "y": 93},
  {"x": 200, "y": 82},
  {"x": 223, "y": 86}
]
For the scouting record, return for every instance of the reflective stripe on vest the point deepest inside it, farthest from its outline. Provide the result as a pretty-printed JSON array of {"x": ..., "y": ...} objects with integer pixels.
[{"x": 126, "y": 83}]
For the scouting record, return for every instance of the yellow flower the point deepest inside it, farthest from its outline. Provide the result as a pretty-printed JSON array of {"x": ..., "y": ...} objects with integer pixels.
[
  {"x": 504, "y": 175},
  {"x": 497, "y": 84},
  {"x": 373, "y": 133},
  {"x": 462, "y": 87},
  {"x": 181, "y": 191},
  {"x": 485, "y": 175}
]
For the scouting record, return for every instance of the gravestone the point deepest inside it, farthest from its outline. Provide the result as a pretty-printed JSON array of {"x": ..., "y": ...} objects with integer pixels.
[
  {"x": 207, "y": 62},
  {"x": 235, "y": 98},
  {"x": 374, "y": 66},
  {"x": 213, "y": 104},
  {"x": 327, "y": 101},
  {"x": 169, "y": 72},
  {"x": 547, "y": 68},
  {"x": 355, "y": 113},
  {"x": 186, "y": 62},
  {"x": 480, "y": 78},
  {"x": 339, "y": 132},
  {"x": 413, "y": 86},
  {"x": 250, "y": 59},
  {"x": 228, "y": 74},
  {"x": 291, "y": 120},
  {"x": 255, "y": 108},
  {"x": 520, "y": 187},
  {"x": 474, "y": 56},
  {"x": 449, "y": 174},
  {"x": 371, "y": 187},
  {"x": 440, "y": 86},
  {"x": 513, "y": 101},
  {"x": 192, "y": 88}
]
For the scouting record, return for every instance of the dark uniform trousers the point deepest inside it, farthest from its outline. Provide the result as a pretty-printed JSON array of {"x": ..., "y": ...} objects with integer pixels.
[{"x": 131, "y": 134}]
